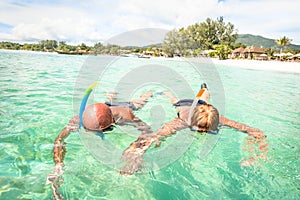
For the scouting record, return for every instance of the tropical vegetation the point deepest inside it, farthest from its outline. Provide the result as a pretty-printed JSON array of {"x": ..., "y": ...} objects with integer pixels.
[
  {"x": 210, "y": 34},
  {"x": 283, "y": 42},
  {"x": 61, "y": 47}
]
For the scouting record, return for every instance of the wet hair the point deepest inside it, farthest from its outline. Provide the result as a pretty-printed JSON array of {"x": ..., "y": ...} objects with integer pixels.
[
  {"x": 206, "y": 118},
  {"x": 97, "y": 117}
]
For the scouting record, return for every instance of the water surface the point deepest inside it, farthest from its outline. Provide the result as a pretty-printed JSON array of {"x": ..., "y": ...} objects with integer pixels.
[{"x": 37, "y": 100}]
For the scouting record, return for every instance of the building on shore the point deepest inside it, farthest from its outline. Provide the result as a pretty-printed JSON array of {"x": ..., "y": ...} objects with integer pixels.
[
  {"x": 238, "y": 53},
  {"x": 252, "y": 52}
]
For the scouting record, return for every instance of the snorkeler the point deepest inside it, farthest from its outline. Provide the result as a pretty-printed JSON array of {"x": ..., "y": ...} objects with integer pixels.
[
  {"x": 204, "y": 118},
  {"x": 98, "y": 117}
]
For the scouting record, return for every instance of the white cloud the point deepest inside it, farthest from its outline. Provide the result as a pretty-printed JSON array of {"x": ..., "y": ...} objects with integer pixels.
[
  {"x": 166, "y": 13},
  {"x": 95, "y": 20},
  {"x": 268, "y": 18},
  {"x": 42, "y": 22}
]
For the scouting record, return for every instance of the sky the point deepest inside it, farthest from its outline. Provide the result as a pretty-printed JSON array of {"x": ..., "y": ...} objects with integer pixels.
[{"x": 92, "y": 21}]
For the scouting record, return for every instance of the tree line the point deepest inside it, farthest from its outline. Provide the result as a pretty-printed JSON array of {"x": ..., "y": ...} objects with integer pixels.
[
  {"x": 43, "y": 45},
  {"x": 54, "y": 46}
]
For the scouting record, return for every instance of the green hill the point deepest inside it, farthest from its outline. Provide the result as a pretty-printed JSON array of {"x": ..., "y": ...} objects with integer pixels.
[{"x": 259, "y": 41}]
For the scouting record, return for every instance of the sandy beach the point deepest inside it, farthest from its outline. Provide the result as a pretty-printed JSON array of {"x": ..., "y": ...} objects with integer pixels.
[{"x": 291, "y": 67}]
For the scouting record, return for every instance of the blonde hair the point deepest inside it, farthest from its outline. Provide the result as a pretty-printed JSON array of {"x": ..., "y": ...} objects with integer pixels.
[{"x": 206, "y": 118}]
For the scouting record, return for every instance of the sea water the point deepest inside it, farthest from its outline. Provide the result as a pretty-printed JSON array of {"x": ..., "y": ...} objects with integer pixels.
[{"x": 40, "y": 92}]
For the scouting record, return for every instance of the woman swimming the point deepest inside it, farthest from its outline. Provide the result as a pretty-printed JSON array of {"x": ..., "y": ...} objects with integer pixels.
[{"x": 204, "y": 118}]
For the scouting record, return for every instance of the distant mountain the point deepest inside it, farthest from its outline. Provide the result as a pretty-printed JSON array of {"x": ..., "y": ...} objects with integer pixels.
[{"x": 259, "y": 41}]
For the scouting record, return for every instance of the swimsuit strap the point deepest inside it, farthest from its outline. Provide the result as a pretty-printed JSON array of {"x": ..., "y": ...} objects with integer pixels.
[
  {"x": 188, "y": 102},
  {"x": 121, "y": 104}
]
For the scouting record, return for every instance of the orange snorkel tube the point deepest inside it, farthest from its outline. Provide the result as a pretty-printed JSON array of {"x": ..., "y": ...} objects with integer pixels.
[
  {"x": 194, "y": 104},
  {"x": 200, "y": 93}
]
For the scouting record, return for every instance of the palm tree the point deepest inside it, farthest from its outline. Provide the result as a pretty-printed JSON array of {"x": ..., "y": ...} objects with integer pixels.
[{"x": 283, "y": 42}]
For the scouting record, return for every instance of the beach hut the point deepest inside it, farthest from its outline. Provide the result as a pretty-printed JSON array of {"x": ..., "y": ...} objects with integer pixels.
[
  {"x": 253, "y": 52},
  {"x": 237, "y": 53}
]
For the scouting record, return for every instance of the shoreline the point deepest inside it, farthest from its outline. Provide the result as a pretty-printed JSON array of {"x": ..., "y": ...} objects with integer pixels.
[
  {"x": 264, "y": 65},
  {"x": 268, "y": 65}
]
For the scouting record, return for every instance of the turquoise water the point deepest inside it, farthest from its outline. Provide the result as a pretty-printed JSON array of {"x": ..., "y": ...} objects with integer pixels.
[{"x": 39, "y": 96}]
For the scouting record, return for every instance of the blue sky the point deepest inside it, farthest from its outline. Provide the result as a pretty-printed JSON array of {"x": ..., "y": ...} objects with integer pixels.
[{"x": 98, "y": 20}]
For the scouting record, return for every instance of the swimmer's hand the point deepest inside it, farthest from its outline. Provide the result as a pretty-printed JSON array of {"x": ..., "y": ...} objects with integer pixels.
[
  {"x": 133, "y": 155},
  {"x": 133, "y": 163},
  {"x": 257, "y": 147}
]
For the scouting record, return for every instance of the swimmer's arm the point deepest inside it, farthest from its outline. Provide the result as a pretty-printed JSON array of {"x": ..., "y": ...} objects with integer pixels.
[
  {"x": 145, "y": 140},
  {"x": 59, "y": 151},
  {"x": 111, "y": 96},
  {"x": 140, "y": 102},
  {"x": 133, "y": 154},
  {"x": 140, "y": 125},
  {"x": 59, "y": 144},
  {"x": 256, "y": 133},
  {"x": 171, "y": 127},
  {"x": 125, "y": 116},
  {"x": 172, "y": 98},
  {"x": 259, "y": 140}
]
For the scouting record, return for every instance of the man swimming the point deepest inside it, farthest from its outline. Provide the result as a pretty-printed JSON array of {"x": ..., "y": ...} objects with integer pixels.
[{"x": 98, "y": 117}]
